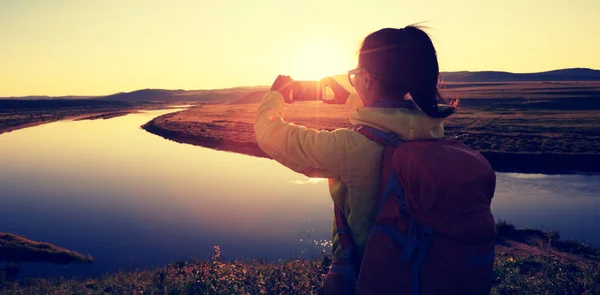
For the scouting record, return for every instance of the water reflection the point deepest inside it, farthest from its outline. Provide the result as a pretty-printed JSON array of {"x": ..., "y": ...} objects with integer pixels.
[
  {"x": 136, "y": 200},
  {"x": 131, "y": 198},
  {"x": 568, "y": 204}
]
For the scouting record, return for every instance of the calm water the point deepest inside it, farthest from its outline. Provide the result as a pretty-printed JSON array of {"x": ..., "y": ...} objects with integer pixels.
[{"x": 135, "y": 200}]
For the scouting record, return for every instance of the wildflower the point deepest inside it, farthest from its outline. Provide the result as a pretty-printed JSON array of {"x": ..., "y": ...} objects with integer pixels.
[{"x": 216, "y": 255}]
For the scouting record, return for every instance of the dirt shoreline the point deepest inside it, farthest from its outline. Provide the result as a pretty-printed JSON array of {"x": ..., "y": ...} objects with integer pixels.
[
  {"x": 23, "y": 118},
  {"x": 26, "y": 125},
  {"x": 216, "y": 136},
  {"x": 78, "y": 117}
]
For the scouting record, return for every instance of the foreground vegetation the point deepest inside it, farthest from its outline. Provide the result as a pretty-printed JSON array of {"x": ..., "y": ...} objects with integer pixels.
[
  {"x": 555, "y": 267},
  {"x": 514, "y": 275}
]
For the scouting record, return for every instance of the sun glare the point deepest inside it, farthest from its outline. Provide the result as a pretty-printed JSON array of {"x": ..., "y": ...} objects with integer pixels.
[{"x": 317, "y": 57}]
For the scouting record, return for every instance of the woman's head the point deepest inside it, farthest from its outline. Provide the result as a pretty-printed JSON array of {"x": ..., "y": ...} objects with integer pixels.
[{"x": 396, "y": 62}]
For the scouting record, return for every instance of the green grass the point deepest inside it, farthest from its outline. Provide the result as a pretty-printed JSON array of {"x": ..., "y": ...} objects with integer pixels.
[
  {"x": 536, "y": 275},
  {"x": 195, "y": 277},
  {"x": 544, "y": 275}
]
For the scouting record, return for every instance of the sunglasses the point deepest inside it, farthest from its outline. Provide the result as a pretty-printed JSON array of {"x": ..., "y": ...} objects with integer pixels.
[{"x": 352, "y": 74}]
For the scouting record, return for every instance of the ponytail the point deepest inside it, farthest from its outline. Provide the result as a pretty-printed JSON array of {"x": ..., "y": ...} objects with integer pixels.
[{"x": 427, "y": 100}]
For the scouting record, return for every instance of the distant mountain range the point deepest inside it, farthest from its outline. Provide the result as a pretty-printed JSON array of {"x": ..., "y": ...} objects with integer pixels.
[
  {"x": 577, "y": 74},
  {"x": 240, "y": 94}
]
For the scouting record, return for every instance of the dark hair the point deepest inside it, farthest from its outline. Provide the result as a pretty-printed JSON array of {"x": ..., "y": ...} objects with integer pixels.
[{"x": 406, "y": 61}]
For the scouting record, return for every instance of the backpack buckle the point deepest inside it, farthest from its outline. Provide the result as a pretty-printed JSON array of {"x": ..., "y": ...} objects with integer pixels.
[{"x": 393, "y": 138}]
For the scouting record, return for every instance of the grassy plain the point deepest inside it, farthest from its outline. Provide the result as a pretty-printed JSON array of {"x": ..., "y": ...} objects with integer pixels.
[{"x": 534, "y": 127}]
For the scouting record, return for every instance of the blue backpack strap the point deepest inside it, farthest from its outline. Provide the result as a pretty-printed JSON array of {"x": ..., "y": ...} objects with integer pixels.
[
  {"x": 477, "y": 260},
  {"x": 417, "y": 244},
  {"x": 386, "y": 138},
  {"x": 349, "y": 248},
  {"x": 423, "y": 236}
]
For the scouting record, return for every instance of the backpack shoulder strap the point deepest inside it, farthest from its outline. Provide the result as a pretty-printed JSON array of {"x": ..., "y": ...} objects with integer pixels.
[
  {"x": 349, "y": 269},
  {"x": 382, "y": 137}
]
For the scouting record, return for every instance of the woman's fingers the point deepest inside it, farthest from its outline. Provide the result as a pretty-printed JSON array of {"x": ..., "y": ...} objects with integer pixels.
[{"x": 282, "y": 83}]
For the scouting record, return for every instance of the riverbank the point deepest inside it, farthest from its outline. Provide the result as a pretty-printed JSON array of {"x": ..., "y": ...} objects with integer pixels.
[
  {"x": 513, "y": 140},
  {"x": 527, "y": 262},
  {"x": 19, "y": 114}
]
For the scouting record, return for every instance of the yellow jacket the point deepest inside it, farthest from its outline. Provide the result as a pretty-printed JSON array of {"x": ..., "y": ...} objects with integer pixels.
[{"x": 349, "y": 160}]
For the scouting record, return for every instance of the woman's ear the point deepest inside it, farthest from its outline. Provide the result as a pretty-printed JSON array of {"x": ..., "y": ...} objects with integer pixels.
[{"x": 368, "y": 81}]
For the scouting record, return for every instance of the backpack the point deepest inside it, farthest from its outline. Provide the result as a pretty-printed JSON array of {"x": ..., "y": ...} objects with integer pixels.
[{"x": 434, "y": 232}]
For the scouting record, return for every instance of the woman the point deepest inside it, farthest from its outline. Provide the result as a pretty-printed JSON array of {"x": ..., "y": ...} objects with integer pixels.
[{"x": 396, "y": 85}]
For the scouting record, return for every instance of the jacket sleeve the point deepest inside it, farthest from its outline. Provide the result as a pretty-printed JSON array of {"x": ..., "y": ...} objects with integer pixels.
[{"x": 308, "y": 151}]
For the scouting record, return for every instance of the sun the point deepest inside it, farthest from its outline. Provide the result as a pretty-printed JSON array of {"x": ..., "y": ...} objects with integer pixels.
[{"x": 315, "y": 57}]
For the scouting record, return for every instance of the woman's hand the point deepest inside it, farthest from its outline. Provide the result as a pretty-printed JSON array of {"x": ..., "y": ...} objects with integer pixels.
[
  {"x": 340, "y": 93},
  {"x": 283, "y": 84}
]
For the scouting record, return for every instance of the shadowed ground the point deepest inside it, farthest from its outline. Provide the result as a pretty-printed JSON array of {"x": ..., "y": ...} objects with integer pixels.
[{"x": 17, "y": 249}]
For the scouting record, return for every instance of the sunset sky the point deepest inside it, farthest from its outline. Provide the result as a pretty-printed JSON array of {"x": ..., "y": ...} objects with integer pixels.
[{"x": 99, "y": 47}]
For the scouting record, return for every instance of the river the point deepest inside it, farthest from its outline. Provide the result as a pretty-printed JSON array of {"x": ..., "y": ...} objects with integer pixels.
[{"x": 134, "y": 200}]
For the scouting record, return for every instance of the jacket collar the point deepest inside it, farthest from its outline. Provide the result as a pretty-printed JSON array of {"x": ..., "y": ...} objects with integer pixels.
[{"x": 408, "y": 124}]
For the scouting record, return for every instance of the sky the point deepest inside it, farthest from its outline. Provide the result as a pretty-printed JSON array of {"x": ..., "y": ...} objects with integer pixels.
[{"x": 100, "y": 47}]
